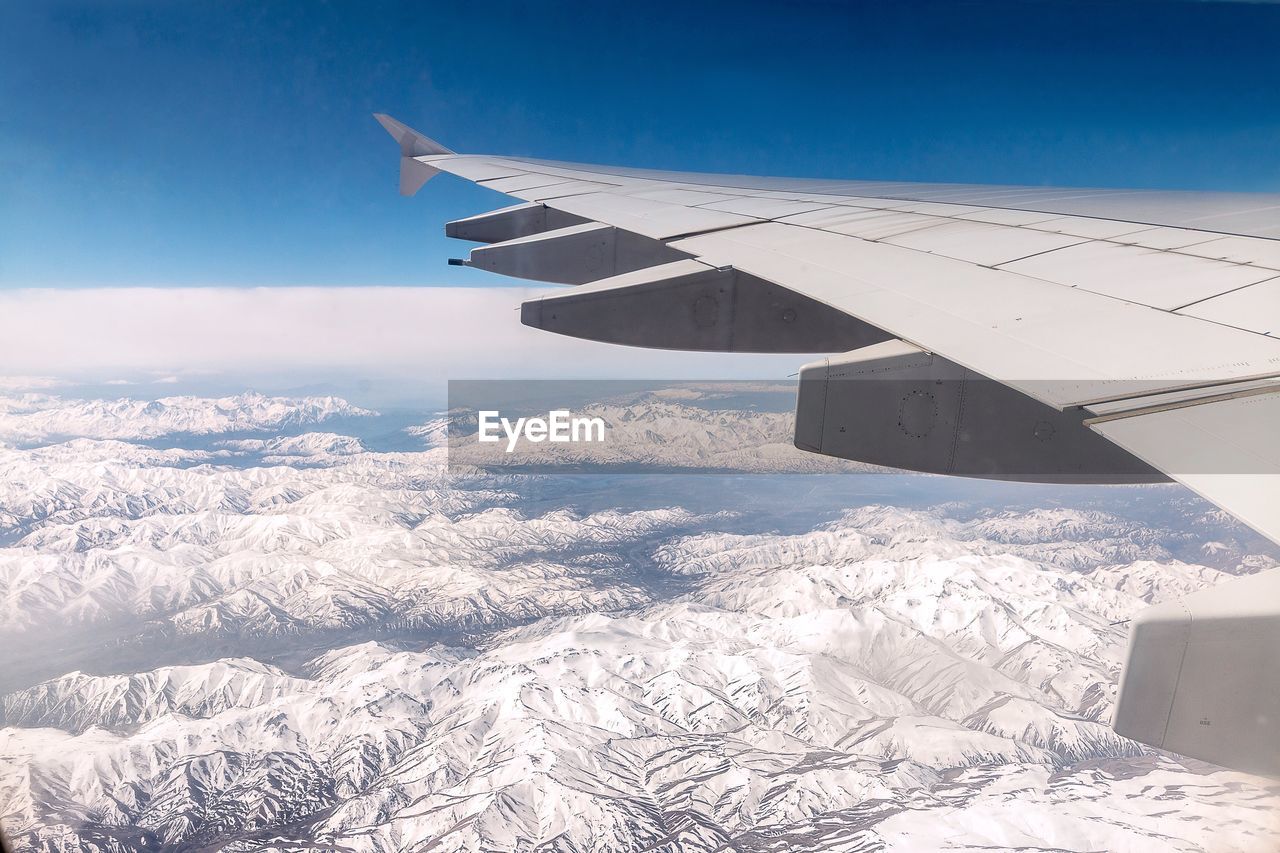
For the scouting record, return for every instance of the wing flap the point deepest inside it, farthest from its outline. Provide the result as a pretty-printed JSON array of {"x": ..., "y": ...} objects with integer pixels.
[{"x": 1225, "y": 450}]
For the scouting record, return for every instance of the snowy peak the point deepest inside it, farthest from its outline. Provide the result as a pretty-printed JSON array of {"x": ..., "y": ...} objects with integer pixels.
[{"x": 32, "y": 418}]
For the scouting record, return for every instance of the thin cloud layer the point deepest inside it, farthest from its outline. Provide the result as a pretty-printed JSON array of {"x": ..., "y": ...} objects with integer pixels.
[{"x": 149, "y": 335}]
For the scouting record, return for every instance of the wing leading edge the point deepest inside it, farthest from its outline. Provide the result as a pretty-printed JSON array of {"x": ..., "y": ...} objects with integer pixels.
[{"x": 1049, "y": 320}]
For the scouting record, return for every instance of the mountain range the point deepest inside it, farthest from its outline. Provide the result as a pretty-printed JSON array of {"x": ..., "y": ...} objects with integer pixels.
[{"x": 228, "y": 628}]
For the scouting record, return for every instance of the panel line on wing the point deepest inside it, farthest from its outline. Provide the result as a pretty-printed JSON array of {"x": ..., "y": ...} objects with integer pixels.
[
  {"x": 1269, "y": 387},
  {"x": 1226, "y": 293}
]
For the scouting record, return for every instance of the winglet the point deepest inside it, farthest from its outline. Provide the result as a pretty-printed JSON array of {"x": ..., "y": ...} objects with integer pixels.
[
  {"x": 412, "y": 143},
  {"x": 413, "y": 173}
]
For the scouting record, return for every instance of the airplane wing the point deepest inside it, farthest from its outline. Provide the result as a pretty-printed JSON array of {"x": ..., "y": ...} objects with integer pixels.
[{"x": 1025, "y": 333}]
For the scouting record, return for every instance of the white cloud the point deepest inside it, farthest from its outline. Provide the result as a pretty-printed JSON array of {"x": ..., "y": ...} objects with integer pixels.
[
  {"x": 28, "y": 383},
  {"x": 428, "y": 334}
]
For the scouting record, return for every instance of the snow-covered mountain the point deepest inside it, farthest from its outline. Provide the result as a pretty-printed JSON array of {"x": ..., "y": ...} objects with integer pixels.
[
  {"x": 650, "y": 432},
  {"x": 296, "y": 449},
  {"x": 36, "y": 417},
  {"x": 296, "y": 642}
]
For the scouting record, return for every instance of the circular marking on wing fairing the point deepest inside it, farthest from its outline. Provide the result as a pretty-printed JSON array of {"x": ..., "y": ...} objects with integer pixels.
[{"x": 917, "y": 413}]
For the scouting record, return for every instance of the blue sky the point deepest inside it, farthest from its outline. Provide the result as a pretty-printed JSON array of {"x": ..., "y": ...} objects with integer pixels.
[{"x": 231, "y": 144}]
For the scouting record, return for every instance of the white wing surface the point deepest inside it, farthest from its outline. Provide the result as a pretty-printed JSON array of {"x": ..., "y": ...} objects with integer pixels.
[{"x": 1058, "y": 334}]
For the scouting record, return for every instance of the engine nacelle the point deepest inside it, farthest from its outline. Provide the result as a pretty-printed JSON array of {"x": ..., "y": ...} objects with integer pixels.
[{"x": 896, "y": 405}]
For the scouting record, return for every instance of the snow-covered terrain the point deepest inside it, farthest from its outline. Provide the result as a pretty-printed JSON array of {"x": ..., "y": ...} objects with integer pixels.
[
  {"x": 659, "y": 433},
  {"x": 296, "y": 642},
  {"x": 34, "y": 417}
]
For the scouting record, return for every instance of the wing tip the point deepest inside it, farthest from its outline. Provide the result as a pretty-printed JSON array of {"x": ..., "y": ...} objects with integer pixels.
[{"x": 412, "y": 143}]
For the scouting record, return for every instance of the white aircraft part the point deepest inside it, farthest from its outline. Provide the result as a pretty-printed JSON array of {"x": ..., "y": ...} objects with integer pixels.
[
  {"x": 1248, "y": 214},
  {"x": 684, "y": 198},
  {"x": 1064, "y": 346},
  {"x": 764, "y": 208},
  {"x": 476, "y": 168},
  {"x": 657, "y": 219},
  {"x": 1057, "y": 341},
  {"x": 1256, "y": 308},
  {"x": 688, "y": 305},
  {"x": 1240, "y": 250},
  {"x": 981, "y": 243},
  {"x": 1202, "y": 677},
  {"x": 1084, "y": 226},
  {"x": 1166, "y": 238},
  {"x": 1227, "y": 450},
  {"x": 529, "y": 181},
  {"x": 929, "y": 208},
  {"x": 412, "y": 143},
  {"x": 882, "y": 224},
  {"x": 413, "y": 174},
  {"x": 1165, "y": 280},
  {"x": 1003, "y": 216},
  {"x": 564, "y": 190},
  {"x": 573, "y": 255}
]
